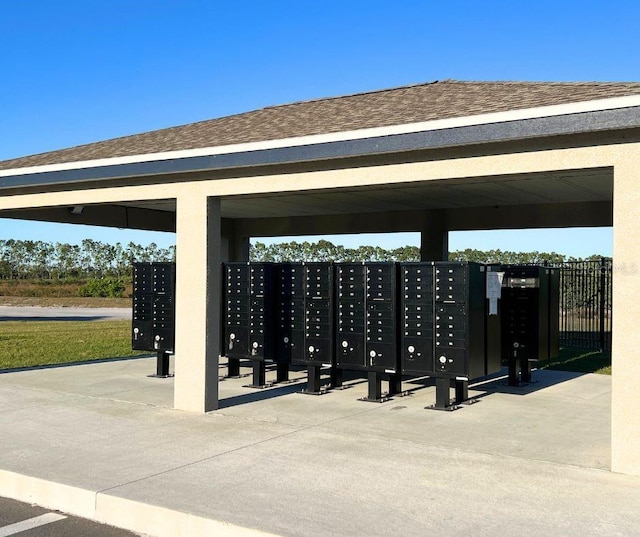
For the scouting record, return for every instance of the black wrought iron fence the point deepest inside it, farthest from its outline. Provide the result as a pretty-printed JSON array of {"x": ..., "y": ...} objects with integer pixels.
[{"x": 585, "y": 304}]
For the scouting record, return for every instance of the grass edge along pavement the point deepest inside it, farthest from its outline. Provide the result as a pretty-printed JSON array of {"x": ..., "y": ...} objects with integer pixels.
[
  {"x": 37, "y": 343},
  {"x": 579, "y": 361}
]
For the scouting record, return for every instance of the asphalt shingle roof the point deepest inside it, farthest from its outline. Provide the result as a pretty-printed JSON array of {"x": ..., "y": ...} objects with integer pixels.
[{"x": 409, "y": 104}]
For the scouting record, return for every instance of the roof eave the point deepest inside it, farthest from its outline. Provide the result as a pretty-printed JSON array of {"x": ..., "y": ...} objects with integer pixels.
[{"x": 579, "y": 118}]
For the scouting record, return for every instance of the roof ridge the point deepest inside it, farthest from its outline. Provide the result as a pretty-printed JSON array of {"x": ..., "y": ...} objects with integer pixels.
[
  {"x": 356, "y": 94},
  {"x": 443, "y": 81},
  {"x": 549, "y": 82}
]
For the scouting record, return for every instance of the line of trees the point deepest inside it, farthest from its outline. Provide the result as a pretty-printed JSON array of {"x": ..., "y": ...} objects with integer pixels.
[
  {"x": 29, "y": 260},
  {"x": 40, "y": 260},
  {"x": 327, "y": 251}
]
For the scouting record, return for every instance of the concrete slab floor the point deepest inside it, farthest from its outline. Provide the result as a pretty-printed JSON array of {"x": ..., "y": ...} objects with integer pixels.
[{"x": 522, "y": 460}]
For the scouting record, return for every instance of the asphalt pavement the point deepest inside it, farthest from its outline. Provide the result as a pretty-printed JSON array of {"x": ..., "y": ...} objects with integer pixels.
[
  {"x": 39, "y": 313},
  {"x": 18, "y": 518}
]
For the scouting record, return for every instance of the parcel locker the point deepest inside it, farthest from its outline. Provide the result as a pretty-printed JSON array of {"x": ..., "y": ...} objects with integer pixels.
[
  {"x": 250, "y": 310},
  {"x": 153, "y": 316},
  {"x": 366, "y": 310},
  {"x": 530, "y": 315}
]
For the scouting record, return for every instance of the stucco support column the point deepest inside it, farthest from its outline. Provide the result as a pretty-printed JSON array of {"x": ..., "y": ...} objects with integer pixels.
[
  {"x": 625, "y": 397},
  {"x": 198, "y": 257},
  {"x": 235, "y": 247},
  {"x": 434, "y": 240},
  {"x": 239, "y": 248}
]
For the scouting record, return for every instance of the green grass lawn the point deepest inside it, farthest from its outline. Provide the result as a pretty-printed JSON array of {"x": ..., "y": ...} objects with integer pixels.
[
  {"x": 32, "y": 343},
  {"x": 580, "y": 361}
]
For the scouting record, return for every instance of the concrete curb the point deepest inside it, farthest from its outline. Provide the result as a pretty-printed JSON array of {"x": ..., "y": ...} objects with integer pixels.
[
  {"x": 162, "y": 522},
  {"x": 119, "y": 512},
  {"x": 48, "y": 494}
]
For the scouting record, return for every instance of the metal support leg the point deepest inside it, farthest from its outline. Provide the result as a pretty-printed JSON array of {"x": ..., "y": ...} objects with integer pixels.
[
  {"x": 395, "y": 384},
  {"x": 259, "y": 375},
  {"x": 336, "y": 377},
  {"x": 282, "y": 372},
  {"x": 233, "y": 367},
  {"x": 443, "y": 395},
  {"x": 374, "y": 383},
  {"x": 162, "y": 365},
  {"x": 374, "y": 386},
  {"x": 462, "y": 390},
  {"x": 525, "y": 370},
  {"x": 313, "y": 380},
  {"x": 513, "y": 372}
]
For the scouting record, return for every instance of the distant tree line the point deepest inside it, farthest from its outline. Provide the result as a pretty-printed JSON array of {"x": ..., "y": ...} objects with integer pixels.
[
  {"x": 29, "y": 260},
  {"x": 327, "y": 251}
]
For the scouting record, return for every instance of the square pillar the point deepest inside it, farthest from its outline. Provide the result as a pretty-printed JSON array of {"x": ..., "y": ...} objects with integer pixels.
[
  {"x": 198, "y": 284},
  {"x": 625, "y": 396},
  {"x": 434, "y": 239},
  {"x": 239, "y": 248},
  {"x": 234, "y": 246}
]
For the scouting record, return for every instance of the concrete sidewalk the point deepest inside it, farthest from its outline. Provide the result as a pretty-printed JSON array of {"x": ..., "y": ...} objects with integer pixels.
[{"x": 101, "y": 441}]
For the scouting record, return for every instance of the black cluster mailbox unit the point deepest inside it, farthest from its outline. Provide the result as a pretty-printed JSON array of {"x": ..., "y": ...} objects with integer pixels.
[
  {"x": 444, "y": 326},
  {"x": 453, "y": 321},
  {"x": 250, "y": 317},
  {"x": 291, "y": 311},
  {"x": 366, "y": 332},
  {"x": 306, "y": 319},
  {"x": 416, "y": 304},
  {"x": 153, "y": 325},
  {"x": 530, "y": 317}
]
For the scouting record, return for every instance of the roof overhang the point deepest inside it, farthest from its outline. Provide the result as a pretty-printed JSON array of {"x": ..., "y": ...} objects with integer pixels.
[{"x": 595, "y": 117}]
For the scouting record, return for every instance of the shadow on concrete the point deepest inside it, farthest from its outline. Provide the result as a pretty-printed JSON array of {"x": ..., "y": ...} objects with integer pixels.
[
  {"x": 496, "y": 383},
  {"x": 541, "y": 379},
  {"x": 73, "y": 364},
  {"x": 278, "y": 389},
  {"x": 253, "y": 396}
]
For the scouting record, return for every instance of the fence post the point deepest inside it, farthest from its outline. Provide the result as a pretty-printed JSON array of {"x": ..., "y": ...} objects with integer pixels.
[{"x": 602, "y": 294}]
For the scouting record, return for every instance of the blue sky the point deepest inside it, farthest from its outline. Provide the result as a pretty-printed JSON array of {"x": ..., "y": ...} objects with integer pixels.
[{"x": 75, "y": 72}]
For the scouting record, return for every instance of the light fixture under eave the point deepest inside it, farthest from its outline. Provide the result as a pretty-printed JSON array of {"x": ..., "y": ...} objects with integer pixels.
[{"x": 76, "y": 209}]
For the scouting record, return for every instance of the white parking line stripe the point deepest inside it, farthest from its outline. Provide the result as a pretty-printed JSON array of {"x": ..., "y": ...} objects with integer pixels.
[{"x": 31, "y": 523}]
